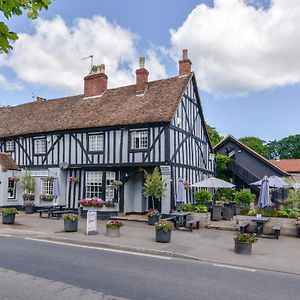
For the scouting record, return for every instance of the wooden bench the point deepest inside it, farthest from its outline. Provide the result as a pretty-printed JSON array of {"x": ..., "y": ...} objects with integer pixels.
[
  {"x": 58, "y": 213},
  {"x": 41, "y": 211},
  {"x": 191, "y": 223},
  {"x": 244, "y": 227},
  {"x": 276, "y": 228}
]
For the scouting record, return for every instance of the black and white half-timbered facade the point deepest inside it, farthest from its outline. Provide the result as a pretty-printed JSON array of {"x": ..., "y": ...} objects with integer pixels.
[{"x": 92, "y": 140}]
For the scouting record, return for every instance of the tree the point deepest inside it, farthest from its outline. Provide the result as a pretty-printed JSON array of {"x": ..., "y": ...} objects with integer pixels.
[
  {"x": 285, "y": 148},
  {"x": 222, "y": 165},
  {"x": 11, "y": 8},
  {"x": 256, "y": 144},
  {"x": 153, "y": 186},
  {"x": 213, "y": 135}
]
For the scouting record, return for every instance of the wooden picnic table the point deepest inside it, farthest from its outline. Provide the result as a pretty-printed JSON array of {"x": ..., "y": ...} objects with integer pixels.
[
  {"x": 180, "y": 218},
  {"x": 260, "y": 221}
]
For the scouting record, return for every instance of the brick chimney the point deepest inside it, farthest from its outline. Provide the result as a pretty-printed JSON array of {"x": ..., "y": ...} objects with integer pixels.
[
  {"x": 141, "y": 77},
  {"x": 95, "y": 83},
  {"x": 185, "y": 65}
]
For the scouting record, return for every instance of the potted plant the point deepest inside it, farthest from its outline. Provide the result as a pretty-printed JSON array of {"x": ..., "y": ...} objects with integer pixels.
[
  {"x": 29, "y": 207},
  {"x": 243, "y": 243},
  {"x": 70, "y": 222},
  {"x": 163, "y": 231},
  {"x": 153, "y": 216},
  {"x": 298, "y": 227},
  {"x": 48, "y": 198},
  {"x": 113, "y": 228},
  {"x": 8, "y": 215},
  {"x": 27, "y": 186}
]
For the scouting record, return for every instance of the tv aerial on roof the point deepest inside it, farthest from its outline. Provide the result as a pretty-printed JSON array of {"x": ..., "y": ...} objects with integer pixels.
[{"x": 91, "y": 57}]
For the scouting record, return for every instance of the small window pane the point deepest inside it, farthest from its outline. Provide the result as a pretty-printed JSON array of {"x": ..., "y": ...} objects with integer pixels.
[
  {"x": 40, "y": 146},
  {"x": 139, "y": 139},
  {"x": 10, "y": 146},
  {"x": 47, "y": 187},
  {"x": 110, "y": 190}
]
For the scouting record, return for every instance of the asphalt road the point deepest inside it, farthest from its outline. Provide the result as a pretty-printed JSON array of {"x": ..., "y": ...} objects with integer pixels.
[{"x": 136, "y": 276}]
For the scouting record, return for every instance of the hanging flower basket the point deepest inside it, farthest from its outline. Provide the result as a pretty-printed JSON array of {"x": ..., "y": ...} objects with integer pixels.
[
  {"x": 74, "y": 179},
  {"x": 14, "y": 178},
  {"x": 187, "y": 185},
  {"x": 117, "y": 184}
]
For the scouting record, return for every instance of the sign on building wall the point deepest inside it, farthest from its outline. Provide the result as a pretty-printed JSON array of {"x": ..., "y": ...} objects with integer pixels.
[{"x": 91, "y": 222}]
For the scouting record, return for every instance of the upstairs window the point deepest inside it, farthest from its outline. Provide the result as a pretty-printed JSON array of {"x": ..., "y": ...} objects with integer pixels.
[
  {"x": 139, "y": 140},
  {"x": 9, "y": 146},
  {"x": 96, "y": 142},
  {"x": 40, "y": 146},
  {"x": 93, "y": 184}
]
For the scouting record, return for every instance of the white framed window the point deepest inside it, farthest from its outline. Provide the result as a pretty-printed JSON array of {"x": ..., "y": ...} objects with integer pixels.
[
  {"x": 10, "y": 146},
  {"x": 11, "y": 189},
  {"x": 40, "y": 146},
  {"x": 93, "y": 184},
  {"x": 47, "y": 187},
  {"x": 109, "y": 187},
  {"x": 139, "y": 139},
  {"x": 96, "y": 142}
]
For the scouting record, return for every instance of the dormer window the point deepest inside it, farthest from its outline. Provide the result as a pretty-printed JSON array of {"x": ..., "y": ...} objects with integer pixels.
[
  {"x": 9, "y": 146},
  {"x": 96, "y": 142},
  {"x": 40, "y": 146},
  {"x": 139, "y": 140}
]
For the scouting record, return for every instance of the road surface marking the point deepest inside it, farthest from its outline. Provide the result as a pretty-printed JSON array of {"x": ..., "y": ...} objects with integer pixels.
[
  {"x": 2, "y": 234},
  {"x": 100, "y": 248},
  {"x": 234, "y": 267}
]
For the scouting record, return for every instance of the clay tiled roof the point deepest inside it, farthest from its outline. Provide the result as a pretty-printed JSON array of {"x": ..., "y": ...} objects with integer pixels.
[
  {"x": 7, "y": 162},
  {"x": 288, "y": 165},
  {"x": 117, "y": 106}
]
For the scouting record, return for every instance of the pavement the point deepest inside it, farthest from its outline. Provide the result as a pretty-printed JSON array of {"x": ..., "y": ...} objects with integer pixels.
[{"x": 209, "y": 245}]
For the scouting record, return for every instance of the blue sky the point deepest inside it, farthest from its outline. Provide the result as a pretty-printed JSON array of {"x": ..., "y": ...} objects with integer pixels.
[{"x": 244, "y": 55}]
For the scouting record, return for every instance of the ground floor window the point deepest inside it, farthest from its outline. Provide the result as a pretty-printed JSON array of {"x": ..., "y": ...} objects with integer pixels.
[
  {"x": 93, "y": 184},
  {"x": 110, "y": 189},
  {"x": 47, "y": 186},
  {"x": 11, "y": 189}
]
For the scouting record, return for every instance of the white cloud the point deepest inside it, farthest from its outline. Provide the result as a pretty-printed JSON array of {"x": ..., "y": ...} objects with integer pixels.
[
  {"x": 8, "y": 85},
  {"x": 237, "y": 48},
  {"x": 52, "y": 56}
]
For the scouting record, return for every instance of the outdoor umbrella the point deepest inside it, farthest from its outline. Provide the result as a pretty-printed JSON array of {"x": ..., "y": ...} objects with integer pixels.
[
  {"x": 296, "y": 186},
  {"x": 180, "y": 199},
  {"x": 56, "y": 190},
  {"x": 264, "y": 195},
  {"x": 214, "y": 183},
  {"x": 274, "y": 182}
]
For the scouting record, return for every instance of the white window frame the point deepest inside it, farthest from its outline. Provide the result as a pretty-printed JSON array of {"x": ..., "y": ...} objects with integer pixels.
[
  {"x": 93, "y": 184},
  {"x": 96, "y": 142},
  {"x": 40, "y": 146},
  {"x": 139, "y": 140},
  {"x": 109, "y": 186},
  {"x": 10, "y": 146},
  {"x": 13, "y": 187},
  {"x": 46, "y": 187}
]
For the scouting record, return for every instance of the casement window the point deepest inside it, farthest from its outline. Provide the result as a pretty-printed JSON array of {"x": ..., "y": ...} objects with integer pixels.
[
  {"x": 139, "y": 139},
  {"x": 9, "y": 146},
  {"x": 93, "y": 184},
  {"x": 11, "y": 189},
  {"x": 40, "y": 146},
  {"x": 96, "y": 142},
  {"x": 47, "y": 187},
  {"x": 110, "y": 190}
]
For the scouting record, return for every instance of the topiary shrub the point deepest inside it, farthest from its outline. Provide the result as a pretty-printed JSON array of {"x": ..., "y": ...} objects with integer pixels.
[
  {"x": 185, "y": 207},
  {"x": 201, "y": 209},
  {"x": 244, "y": 197},
  {"x": 202, "y": 196}
]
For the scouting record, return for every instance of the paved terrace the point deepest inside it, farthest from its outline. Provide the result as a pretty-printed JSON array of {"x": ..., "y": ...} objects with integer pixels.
[{"x": 204, "y": 244}]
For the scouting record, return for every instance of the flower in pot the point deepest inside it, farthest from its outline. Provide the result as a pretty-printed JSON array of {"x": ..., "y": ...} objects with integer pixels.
[
  {"x": 29, "y": 207},
  {"x": 8, "y": 215},
  {"x": 163, "y": 231},
  {"x": 113, "y": 228},
  {"x": 243, "y": 243},
  {"x": 28, "y": 197},
  {"x": 153, "y": 216},
  {"x": 70, "y": 222}
]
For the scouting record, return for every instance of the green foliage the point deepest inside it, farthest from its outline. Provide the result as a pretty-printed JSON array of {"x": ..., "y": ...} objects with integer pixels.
[
  {"x": 201, "y": 209},
  {"x": 244, "y": 197},
  {"x": 202, "y": 196},
  {"x": 27, "y": 183},
  {"x": 222, "y": 164},
  {"x": 292, "y": 200},
  {"x": 187, "y": 207},
  {"x": 70, "y": 217},
  {"x": 153, "y": 186},
  {"x": 213, "y": 135},
  {"x": 256, "y": 144},
  {"x": 164, "y": 226},
  {"x": 7, "y": 211},
  {"x": 245, "y": 238},
  {"x": 294, "y": 214},
  {"x": 225, "y": 194},
  {"x": 15, "y": 8},
  {"x": 288, "y": 147},
  {"x": 282, "y": 214}
]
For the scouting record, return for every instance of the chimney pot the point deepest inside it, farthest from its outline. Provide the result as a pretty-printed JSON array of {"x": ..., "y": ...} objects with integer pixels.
[
  {"x": 95, "y": 84},
  {"x": 185, "y": 65},
  {"x": 141, "y": 77}
]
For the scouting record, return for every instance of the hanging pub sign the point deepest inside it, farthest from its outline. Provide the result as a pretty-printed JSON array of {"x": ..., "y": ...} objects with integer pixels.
[{"x": 91, "y": 222}]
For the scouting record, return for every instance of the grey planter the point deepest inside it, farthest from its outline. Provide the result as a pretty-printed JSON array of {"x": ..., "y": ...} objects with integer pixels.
[
  {"x": 227, "y": 213},
  {"x": 242, "y": 248},
  {"x": 112, "y": 232},
  {"x": 152, "y": 220},
  {"x": 70, "y": 226},
  {"x": 216, "y": 213},
  {"x": 163, "y": 237},
  {"x": 29, "y": 209},
  {"x": 10, "y": 219}
]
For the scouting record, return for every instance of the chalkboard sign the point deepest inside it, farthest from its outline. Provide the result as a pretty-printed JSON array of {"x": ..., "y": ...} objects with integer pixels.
[{"x": 91, "y": 222}]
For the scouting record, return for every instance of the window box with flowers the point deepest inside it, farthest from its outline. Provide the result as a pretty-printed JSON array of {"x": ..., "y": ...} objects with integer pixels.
[
  {"x": 113, "y": 228},
  {"x": 153, "y": 216},
  {"x": 243, "y": 243},
  {"x": 46, "y": 198},
  {"x": 98, "y": 204}
]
